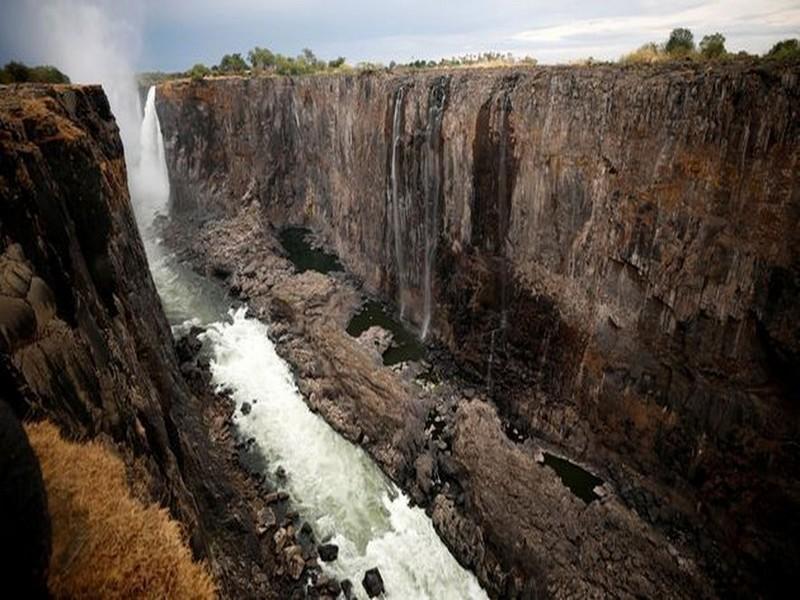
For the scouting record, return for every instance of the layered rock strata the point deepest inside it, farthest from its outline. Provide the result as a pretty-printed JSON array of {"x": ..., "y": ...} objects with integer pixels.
[
  {"x": 84, "y": 341},
  {"x": 611, "y": 253}
]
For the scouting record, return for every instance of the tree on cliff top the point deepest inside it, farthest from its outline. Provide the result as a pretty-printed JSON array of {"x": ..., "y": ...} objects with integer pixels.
[
  {"x": 261, "y": 58},
  {"x": 199, "y": 72},
  {"x": 232, "y": 63},
  {"x": 785, "y": 50},
  {"x": 713, "y": 46},
  {"x": 17, "y": 72},
  {"x": 680, "y": 42}
]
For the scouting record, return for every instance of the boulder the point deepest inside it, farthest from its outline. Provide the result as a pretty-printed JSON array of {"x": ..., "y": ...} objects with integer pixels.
[
  {"x": 328, "y": 552},
  {"x": 423, "y": 468},
  {"x": 246, "y": 408},
  {"x": 373, "y": 583}
]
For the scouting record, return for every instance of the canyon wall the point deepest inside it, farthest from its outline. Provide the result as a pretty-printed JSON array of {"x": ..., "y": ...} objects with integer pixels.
[
  {"x": 612, "y": 252},
  {"x": 84, "y": 341}
]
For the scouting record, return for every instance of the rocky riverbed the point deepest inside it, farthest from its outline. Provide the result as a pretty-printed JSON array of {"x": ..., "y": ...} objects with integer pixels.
[{"x": 502, "y": 513}]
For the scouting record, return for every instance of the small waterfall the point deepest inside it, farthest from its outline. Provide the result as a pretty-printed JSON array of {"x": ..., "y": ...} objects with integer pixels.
[
  {"x": 394, "y": 194},
  {"x": 503, "y": 218},
  {"x": 149, "y": 180},
  {"x": 437, "y": 99}
]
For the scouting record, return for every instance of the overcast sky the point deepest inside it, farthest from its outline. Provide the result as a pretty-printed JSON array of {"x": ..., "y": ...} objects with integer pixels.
[{"x": 174, "y": 34}]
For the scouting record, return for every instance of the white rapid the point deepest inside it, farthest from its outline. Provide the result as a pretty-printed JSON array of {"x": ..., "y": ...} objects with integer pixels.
[{"x": 333, "y": 483}]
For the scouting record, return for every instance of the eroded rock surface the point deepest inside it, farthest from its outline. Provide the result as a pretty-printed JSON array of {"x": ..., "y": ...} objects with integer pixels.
[
  {"x": 83, "y": 338},
  {"x": 612, "y": 254}
]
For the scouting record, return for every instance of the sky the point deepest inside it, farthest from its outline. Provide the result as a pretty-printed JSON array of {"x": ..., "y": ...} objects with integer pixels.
[{"x": 174, "y": 34}]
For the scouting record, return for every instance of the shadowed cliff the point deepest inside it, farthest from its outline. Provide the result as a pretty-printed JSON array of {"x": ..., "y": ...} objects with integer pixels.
[
  {"x": 84, "y": 342},
  {"x": 611, "y": 251}
]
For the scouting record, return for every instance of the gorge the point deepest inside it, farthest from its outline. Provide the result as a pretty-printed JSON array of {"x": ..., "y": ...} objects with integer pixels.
[
  {"x": 608, "y": 254},
  {"x": 538, "y": 336}
]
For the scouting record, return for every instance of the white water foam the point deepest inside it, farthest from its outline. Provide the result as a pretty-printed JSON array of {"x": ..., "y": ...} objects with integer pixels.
[{"x": 333, "y": 482}]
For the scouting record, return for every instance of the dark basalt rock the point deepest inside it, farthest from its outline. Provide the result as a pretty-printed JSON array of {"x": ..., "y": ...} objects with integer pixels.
[
  {"x": 596, "y": 282},
  {"x": 85, "y": 343},
  {"x": 347, "y": 589},
  {"x": 373, "y": 583},
  {"x": 25, "y": 545},
  {"x": 328, "y": 552}
]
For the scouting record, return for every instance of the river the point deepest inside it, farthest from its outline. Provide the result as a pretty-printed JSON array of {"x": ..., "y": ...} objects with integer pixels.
[{"x": 333, "y": 483}]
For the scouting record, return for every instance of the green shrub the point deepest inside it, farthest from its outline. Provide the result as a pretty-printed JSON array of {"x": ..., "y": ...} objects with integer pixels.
[
  {"x": 232, "y": 63},
  {"x": 713, "y": 46},
  {"x": 199, "y": 72},
  {"x": 785, "y": 50},
  {"x": 261, "y": 58},
  {"x": 680, "y": 42},
  {"x": 336, "y": 63},
  {"x": 17, "y": 72}
]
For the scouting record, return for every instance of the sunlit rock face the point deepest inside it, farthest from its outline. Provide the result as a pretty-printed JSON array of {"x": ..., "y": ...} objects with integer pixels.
[{"x": 611, "y": 251}]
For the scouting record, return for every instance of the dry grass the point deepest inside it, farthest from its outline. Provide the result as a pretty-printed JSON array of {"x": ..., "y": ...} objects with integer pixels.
[
  {"x": 649, "y": 53},
  {"x": 106, "y": 544}
]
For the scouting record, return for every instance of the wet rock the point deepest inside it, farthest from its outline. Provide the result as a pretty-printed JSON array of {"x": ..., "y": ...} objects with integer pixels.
[
  {"x": 377, "y": 340},
  {"x": 220, "y": 270},
  {"x": 295, "y": 563},
  {"x": 266, "y": 521},
  {"x": 246, "y": 408},
  {"x": 373, "y": 583},
  {"x": 423, "y": 468},
  {"x": 347, "y": 589},
  {"x": 274, "y": 497},
  {"x": 328, "y": 552},
  {"x": 281, "y": 538},
  {"x": 327, "y": 587},
  {"x": 280, "y": 474}
]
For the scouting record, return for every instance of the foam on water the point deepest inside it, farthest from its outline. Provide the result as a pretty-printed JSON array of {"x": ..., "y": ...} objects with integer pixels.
[{"x": 333, "y": 482}]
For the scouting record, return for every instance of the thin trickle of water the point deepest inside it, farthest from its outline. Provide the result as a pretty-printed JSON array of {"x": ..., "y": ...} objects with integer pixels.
[
  {"x": 334, "y": 483},
  {"x": 394, "y": 198},
  {"x": 437, "y": 98},
  {"x": 503, "y": 209}
]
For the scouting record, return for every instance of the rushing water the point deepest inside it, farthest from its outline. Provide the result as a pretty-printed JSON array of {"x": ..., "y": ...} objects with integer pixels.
[{"x": 333, "y": 483}]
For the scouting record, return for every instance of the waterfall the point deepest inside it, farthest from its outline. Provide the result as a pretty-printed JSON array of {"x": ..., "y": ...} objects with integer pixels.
[
  {"x": 502, "y": 208},
  {"x": 433, "y": 164},
  {"x": 334, "y": 483},
  {"x": 149, "y": 180},
  {"x": 395, "y": 199}
]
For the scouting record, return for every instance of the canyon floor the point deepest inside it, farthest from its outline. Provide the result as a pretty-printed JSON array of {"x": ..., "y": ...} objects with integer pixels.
[{"x": 503, "y": 513}]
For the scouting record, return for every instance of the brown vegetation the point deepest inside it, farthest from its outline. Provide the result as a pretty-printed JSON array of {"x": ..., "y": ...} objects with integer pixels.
[{"x": 106, "y": 544}]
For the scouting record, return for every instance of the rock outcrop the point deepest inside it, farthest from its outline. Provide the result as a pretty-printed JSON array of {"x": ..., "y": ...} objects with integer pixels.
[
  {"x": 83, "y": 338},
  {"x": 611, "y": 253}
]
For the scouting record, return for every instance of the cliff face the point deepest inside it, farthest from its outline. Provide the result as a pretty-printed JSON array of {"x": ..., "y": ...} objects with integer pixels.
[
  {"x": 611, "y": 251},
  {"x": 82, "y": 324},
  {"x": 84, "y": 341}
]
